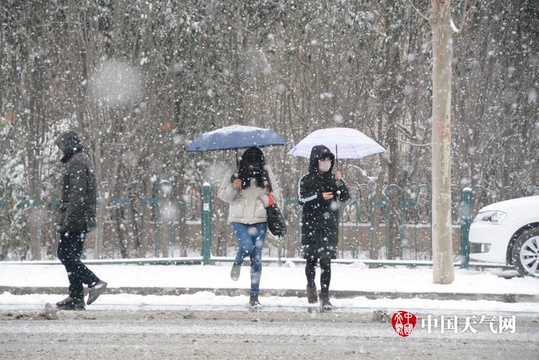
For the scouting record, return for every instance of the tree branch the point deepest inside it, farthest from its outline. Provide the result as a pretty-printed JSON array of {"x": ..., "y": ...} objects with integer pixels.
[{"x": 417, "y": 11}]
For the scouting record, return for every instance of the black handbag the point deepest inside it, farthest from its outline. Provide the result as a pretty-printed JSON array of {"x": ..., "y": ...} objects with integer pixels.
[{"x": 276, "y": 223}]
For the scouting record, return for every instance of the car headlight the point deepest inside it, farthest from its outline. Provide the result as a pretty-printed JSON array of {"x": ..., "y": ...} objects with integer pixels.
[{"x": 494, "y": 217}]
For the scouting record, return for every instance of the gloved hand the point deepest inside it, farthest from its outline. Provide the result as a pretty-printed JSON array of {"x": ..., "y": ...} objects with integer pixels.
[{"x": 267, "y": 200}]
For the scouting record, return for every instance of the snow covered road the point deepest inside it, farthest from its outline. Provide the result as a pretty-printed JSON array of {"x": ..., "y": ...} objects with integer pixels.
[{"x": 161, "y": 334}]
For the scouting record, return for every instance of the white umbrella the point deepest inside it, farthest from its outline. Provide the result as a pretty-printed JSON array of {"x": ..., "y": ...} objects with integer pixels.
[{"x": 346, "y": 142}]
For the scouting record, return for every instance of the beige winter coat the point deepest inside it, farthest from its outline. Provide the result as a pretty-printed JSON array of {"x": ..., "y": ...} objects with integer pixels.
[{"x": 245, "y": 206}]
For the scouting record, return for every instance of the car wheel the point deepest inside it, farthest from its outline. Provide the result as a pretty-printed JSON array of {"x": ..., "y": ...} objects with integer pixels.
[{"x": 525, "y": 253}]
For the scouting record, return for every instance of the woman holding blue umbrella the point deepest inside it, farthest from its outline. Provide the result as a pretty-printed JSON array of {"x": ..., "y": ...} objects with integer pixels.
[{"x": 249, "y": 188}]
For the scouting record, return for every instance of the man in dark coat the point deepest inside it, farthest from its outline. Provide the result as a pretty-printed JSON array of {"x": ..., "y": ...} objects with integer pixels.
[
  {"x": 319, "y": 192},
  {"x": 76, "y": 218}
]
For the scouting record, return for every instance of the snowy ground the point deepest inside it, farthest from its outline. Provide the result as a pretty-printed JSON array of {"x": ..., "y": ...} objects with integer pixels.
[
  {"x": 355, "y": 288},
  {"x": 164, "y": 335},
  {"x": 197, "y": 312}
]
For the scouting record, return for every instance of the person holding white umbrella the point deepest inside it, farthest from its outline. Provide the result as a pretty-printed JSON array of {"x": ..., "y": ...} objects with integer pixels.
[{"x": 319, "y": 192}]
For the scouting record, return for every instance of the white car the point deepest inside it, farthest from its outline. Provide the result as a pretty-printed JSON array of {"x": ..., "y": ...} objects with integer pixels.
[{"x": 507, "y": 232}]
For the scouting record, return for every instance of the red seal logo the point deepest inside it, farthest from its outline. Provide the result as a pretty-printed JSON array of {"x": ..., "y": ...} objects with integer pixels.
[{"x": 403, "y": 322}]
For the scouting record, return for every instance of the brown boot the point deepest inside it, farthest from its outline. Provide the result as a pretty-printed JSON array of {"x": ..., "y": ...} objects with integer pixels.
[
  {"x": 324, "y": 301},
  {"x": 312, "y": 294}
]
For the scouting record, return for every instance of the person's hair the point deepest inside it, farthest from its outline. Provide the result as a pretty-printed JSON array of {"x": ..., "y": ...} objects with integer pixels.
[{"x": 253, "y": 165}]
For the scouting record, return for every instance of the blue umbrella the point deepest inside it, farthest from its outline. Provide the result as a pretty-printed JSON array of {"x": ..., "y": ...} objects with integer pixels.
[{"x": 235, "y": 137}]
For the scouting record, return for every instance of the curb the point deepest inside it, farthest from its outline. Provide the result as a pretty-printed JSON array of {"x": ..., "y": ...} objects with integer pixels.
[{"x": 340, "y": 294}]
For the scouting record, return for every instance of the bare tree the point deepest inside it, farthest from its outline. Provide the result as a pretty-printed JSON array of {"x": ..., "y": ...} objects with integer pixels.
[
  {"x": 442, "y": 49},
  {"x": 292, "y": 66}
]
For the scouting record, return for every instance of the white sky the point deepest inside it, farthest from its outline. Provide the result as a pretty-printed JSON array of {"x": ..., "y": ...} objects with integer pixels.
[{"x": 353, "y": 277}]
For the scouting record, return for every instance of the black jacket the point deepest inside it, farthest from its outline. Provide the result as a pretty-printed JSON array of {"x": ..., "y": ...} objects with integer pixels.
[
  {"x": 78, "y": 201},
  {"x": 320, "y": 217}
]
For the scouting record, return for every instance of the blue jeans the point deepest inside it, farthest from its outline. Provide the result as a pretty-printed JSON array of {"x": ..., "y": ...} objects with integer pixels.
[{"x": 250, "y": 240}]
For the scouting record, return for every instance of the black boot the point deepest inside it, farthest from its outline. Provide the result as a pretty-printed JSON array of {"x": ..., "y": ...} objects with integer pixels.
[
  {"x": 254, "y": 303},
  {"x": 324, "y": 301},
  {"x": 312, "y": 294},
  {"x": 70, "y": 303}
]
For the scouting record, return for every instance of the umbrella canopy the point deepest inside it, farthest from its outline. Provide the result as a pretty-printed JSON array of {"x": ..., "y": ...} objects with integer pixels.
[
  {"x": 348, "y": 143},
  {"x": 235, "y": 137}
]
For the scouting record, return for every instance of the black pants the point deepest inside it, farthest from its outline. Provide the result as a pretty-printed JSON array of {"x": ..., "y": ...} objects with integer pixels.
[
  {"x": 325, "y": 275},
  {"x": 69, "y": 252}
]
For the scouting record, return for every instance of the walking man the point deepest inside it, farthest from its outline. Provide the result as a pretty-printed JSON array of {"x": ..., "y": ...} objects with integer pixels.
[{"x": 76, "y": 218}]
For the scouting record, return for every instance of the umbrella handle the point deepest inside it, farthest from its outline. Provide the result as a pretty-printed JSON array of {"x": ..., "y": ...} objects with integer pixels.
[
  {"x": 337, "y": 183},
  {"x": 336, "y": 157}
]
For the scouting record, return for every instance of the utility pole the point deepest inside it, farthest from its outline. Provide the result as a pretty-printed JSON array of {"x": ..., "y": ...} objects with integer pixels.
[{"x": 442, "y": 49}]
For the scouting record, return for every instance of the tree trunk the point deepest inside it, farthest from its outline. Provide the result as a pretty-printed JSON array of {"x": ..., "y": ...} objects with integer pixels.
[{"x": 443, "y": 272}]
